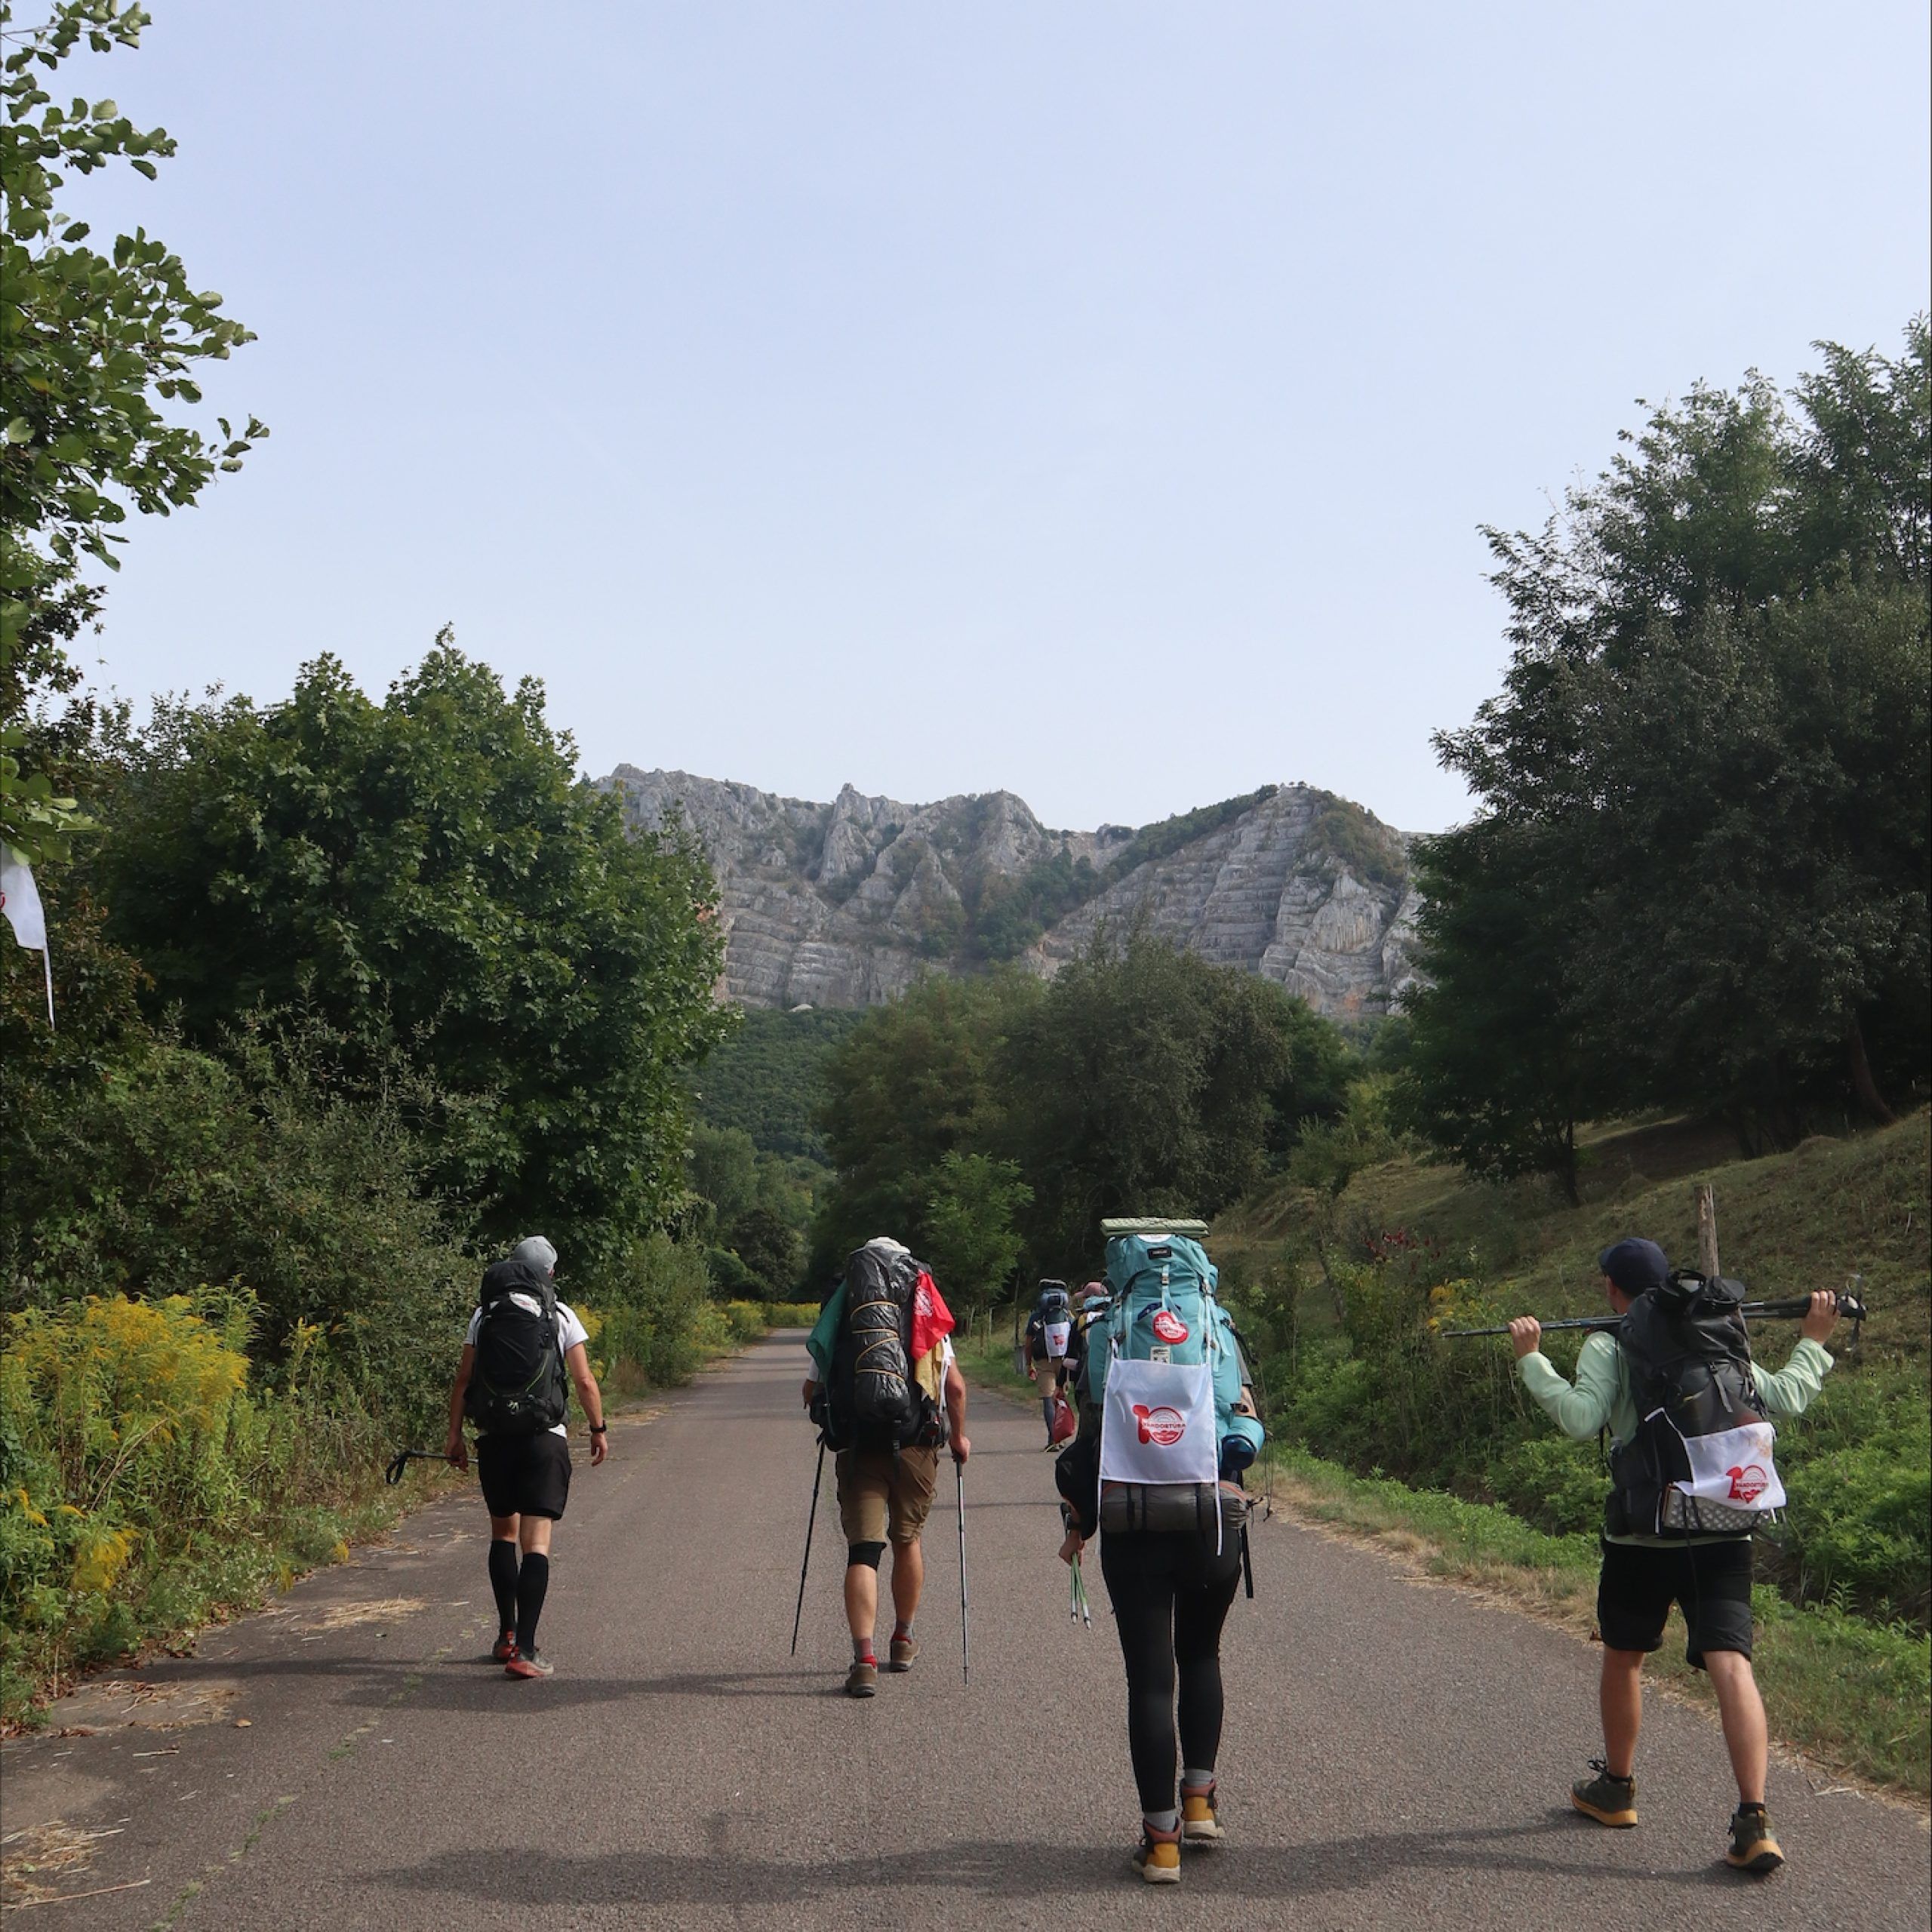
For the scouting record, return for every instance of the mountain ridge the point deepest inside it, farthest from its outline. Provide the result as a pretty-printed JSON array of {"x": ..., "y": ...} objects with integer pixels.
[{"x": 844, "y": 903}]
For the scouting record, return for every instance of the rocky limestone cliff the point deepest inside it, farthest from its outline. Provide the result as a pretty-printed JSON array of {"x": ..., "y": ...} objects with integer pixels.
[{"x": 846, "y": 904}]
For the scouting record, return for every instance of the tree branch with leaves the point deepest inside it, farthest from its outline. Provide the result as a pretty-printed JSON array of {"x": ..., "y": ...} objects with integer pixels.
[{"x": 94, "y": 347}]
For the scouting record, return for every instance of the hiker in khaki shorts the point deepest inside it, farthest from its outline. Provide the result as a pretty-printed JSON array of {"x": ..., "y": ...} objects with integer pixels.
[{"x": 885, "y": 1494}]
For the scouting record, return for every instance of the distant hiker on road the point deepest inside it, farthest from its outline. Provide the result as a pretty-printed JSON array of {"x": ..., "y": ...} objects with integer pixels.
[
  {"x": 1155, "y": 1470},
  {"x": 522, "y": 1343},
  {"x": 885, "y": 1392},
  {"x": 1691, "y": 1476},
  {"x": 1053, "y": 1345}
]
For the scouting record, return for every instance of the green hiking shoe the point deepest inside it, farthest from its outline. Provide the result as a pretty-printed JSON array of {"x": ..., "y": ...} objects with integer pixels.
[
  {"x": 1752, "y": 1847},
  {"x": 1609, "y": 1800}
]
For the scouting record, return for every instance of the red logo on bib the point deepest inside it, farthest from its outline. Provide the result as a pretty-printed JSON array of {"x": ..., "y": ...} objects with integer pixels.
[
  {"x": 1748, "y": 1482},
  {"x": 1170, "y": 1326},
  {"x": 1163, "y": 1426}
]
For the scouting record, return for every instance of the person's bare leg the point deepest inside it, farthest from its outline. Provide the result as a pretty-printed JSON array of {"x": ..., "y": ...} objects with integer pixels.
[
  {"x": 1620, "y": 1698},
  {"x": 909, "y": 1578},
  {"x": 861, "y": 1600},
  {"x": 534, "y": 1535},
  {"x": 1742, "y": 1712}
]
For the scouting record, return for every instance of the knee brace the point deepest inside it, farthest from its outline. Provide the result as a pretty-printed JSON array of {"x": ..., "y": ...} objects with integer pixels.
[{"x": 864, "y": 1555}]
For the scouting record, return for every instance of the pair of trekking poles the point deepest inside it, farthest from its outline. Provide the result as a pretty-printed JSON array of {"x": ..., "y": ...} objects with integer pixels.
[
  {"x": 1851, "y": 1307},
  {"x": 965, "y": 1631}
]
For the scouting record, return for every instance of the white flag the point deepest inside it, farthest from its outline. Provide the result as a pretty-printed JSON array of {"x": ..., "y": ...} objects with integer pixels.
[{"x": 20, "y": 899}]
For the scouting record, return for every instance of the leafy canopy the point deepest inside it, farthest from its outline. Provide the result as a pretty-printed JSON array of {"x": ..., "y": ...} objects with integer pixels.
[
  {"x": 427, "y": 867},
  {"x": 1699, "y": 878},
  {"x": 93, "y": 346},
  {"x": 1141, "y": 1080}
]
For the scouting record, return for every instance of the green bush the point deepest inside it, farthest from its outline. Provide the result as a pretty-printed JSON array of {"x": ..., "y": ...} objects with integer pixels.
[
  {"x": 146, "y": 1479},
  {"x": 1552, "y": 1482},
  {"x": 791, "y": 1314},
  {"x": 172, "y": 1168},
  {"x": 1859, "y": 1471},
  {"x": 659, "y": 1320}
]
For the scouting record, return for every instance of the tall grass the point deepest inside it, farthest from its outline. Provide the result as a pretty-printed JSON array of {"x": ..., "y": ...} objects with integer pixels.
[{"x": 148, "y": 1481}]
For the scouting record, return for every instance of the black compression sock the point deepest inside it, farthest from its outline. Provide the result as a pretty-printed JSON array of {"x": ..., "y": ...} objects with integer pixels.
[
  {"x": 502, "y": 1581},
  {"x": 533, "y": 1583}
]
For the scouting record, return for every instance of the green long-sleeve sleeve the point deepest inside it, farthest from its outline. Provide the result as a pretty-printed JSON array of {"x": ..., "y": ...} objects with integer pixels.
[{"x": 1600, "y": 1398}]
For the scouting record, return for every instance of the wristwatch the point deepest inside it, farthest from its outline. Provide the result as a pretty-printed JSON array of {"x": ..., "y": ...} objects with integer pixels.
[{"x": 600, "y": 1428}]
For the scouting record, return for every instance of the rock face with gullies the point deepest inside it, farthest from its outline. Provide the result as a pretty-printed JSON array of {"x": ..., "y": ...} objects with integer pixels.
[{"x": 846, "y": 904}]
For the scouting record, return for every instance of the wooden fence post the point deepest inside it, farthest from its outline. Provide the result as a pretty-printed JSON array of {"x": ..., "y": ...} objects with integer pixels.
[{"x": 1707, "y": 1230}]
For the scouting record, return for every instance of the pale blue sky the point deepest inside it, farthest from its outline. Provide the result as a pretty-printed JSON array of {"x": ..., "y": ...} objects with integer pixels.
[{"x": 1094, "y": 399}]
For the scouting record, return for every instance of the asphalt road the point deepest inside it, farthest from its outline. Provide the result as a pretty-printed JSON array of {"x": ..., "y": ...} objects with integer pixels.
[{"x": 1396, "y": 1755}]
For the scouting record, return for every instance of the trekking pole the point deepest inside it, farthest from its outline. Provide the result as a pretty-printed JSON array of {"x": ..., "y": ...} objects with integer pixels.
[
  {"x": 1082, "y": 1608},
  {"x": 965, "y": 1640},
  {"x": 810, "y": 1520},
  {"x": 404, "y": 1457},
  {"x": 1850, "y": 1306}
]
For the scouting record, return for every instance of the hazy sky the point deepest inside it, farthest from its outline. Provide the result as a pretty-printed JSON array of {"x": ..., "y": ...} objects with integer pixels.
[{"x": 1092, "y": 398}]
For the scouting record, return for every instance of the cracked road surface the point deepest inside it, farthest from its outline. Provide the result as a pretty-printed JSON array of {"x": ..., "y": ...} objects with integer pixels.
[{"x": 1396, "y": 1755}]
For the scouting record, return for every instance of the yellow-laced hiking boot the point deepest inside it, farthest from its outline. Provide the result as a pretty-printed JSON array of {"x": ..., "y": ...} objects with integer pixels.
[
  {"x": 1157, "y": 1858},
  {"x": 1199, "y": 1823},
  {"x": 1609, "y": 1800}
]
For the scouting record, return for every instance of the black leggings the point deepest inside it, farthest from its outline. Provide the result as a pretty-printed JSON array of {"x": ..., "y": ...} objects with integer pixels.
[{"x": 1171, "y": 1594}]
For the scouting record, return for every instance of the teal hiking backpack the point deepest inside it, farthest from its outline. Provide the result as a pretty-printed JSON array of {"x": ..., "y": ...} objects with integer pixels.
[{"x": 1164, "y": 1309}]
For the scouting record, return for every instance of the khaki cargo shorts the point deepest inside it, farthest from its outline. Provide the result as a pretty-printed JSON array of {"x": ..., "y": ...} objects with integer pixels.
[{"x": 882, "y": 1499}]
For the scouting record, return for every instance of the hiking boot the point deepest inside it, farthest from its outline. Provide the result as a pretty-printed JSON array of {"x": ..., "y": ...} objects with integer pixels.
[
  {"x": 504, "y": 1648},
  {"x": 1157, "y": 1857},
  {"x": 1200, "y": 1824},
  {"x": 1609, "y": 1800},
  {"x": 528, "y": 1663},
  {"x": 903, "y": 1650},
  {"x": 1752, "y": 1847},
  {"x": 861, "y": 1680}
]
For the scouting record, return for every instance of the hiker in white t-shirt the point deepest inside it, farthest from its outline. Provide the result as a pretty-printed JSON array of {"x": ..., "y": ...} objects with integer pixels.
[{"x": 523, "y": 1345}]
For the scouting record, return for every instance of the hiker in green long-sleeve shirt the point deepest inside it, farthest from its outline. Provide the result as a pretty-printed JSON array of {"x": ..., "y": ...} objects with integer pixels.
[{"x": 1646, "y": 1569}]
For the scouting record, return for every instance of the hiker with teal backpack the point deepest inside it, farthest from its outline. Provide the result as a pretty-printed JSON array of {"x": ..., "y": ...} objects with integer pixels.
[
  {"x": 1155, "y": 1472},
  {"x": 522, "y": 1348}
]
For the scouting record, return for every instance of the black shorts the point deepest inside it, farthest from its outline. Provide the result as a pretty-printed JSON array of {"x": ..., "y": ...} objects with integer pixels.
[
  {"x": 524, "y": 1475},
  {"x": 1709, "y": 1582}
]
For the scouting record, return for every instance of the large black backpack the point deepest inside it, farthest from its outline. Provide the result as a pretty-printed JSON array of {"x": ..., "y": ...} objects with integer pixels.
[
  {"x": 872, "y": 1402},
  {"x": 1689, "y": 1360},
  {"x": 516, "y": 1384}
]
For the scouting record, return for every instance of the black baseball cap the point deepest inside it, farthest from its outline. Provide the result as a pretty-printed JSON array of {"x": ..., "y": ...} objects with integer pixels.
[{"x": 1635, "y": 1264}]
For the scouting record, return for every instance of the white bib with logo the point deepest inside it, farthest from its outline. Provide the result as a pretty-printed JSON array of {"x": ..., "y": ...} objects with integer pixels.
[
  {"x": 1158, "y": 1423},
  {"x": 1733, "y": 1471},
  {"x": 1058, "y": 1334}
]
